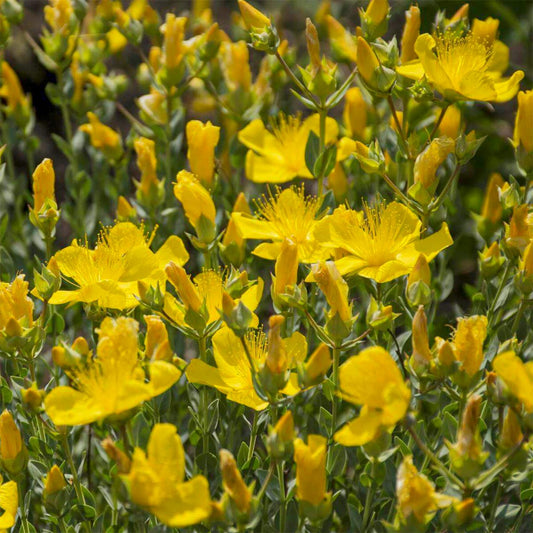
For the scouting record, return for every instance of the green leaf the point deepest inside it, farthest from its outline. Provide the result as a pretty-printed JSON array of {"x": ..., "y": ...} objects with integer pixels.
[{"x": 312, "y": 149}]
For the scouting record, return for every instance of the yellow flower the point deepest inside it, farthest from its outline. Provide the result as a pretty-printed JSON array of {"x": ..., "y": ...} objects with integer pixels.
[
  {"x": 289, "y": 215},
  {"x": 253, "y": 18},
  {"x": 466, "y": 455},
  {"x": 416, "y": 494},
  {"x": 11, "y": 444},
  {"x": 125, "y": 211},
  {"x": 197, "y": 203},
  {"x": 153, "y": 106},
  {"x": 15, "y": 303},
  {"x": 335, "y": 289},
  {"x": 511, "y": 434},
  {"x": 468, "y": 342},
  {"x": 108, "y": 275},
  {"x": 207, "y": 289},
  {"x": 523, "y": 132},
  {"x": 342, "y": 41},
  {"x": 519, "y": 231},
  {"x": 156, "y": 481},
  {"x": 279, "y": 156},
  {"x": 202, "y": 140},
  {"x": 43, "y": 185},
  {"x": 492, "y": 209},
  {"x": 173, "y": 46},
  {"x": 421, "y": 352},
  {"x": 58, "y": 15},
  {"x": 233, "y": 374},
  {"x": 459, "y": 68},
  {"x": 11, "y": 89},
  {"x": 429, "y": 161},
  {"x": 233, "y": 483},
  {"x": 147, "y": 163},
  {"x": 103, "y": 137},
  {"x": 235, "y": 67},
  {"x": 450, "y": 125},
  {"x": 286, "y": 268},
  {"x": 355, "y": 113},
  {"x": 381, "y": 243},
  {"x": 367, "y": 61},
  {"x": 411, "y": 31},
  {"x": 54, "y": 481},
  {"x": 233, "y": 243},
  {"x": 9, "y": 502},
  {"x": 377, "y": 10},
  {"x": 310, "y": 462},
  {"x": 517, "y": 376},
  {"x": 373, "y": 380},
  {"x": 156, "y": 343},
  {"x": 113, "y": 382}
]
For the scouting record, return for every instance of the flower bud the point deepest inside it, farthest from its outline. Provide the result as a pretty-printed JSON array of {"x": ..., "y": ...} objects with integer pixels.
[
  {"x": 184, "y": 286},
  {"x": 445, "y": 352},
  {"x": 174, "y": 49},
  {"x": 233, "y": 246},
  {"x": 517, "y": 231},
  {"x": 125, "y": 211},
  {"x": 466, "y": 455},
  {"x": 380, "y": 317},
  {"x": 233, "y": 483},
  {"x": 491, "y": 210},
  {"x": 450, "y": 124},
  {"x": 428, "y": 162},
  {"x": 418, "y": 290},
  {"x": 156, "y": 343},
  {"x": 335, "y": 289},
  {"x": 460, "y": 513},
  {"x": 201, "y": 141},
  {"x": 117, "y": 455},
  {"x": 276, "y": 359},
  {"x": 342, "y": 42},
  {"x": 338, "y": 183},
  {"x": 511, "y": 435},
  {"x": 491, "y": 260},
  {"x": 411, "y": 31},
  {"x": 355, "y": 113},
  {"x": 421, "y": 358},
  {"x": 311, "y": 480},
  {"x": 286, "y": 268},
  {"x": 32, "y": 397},
  {"x": 102, "y": 137},
  {"x": 54, "y": 481},
  {"x": 13, "y": 453},
  {"x": 197, "y": 204},
  {"x": 523, "y": 132},
  {"x": 281, "y": 437},
  {"x": 367, "y": 61},
  {"x": 150, "y": 191},
  {"x": 374, "y": 19},
  {"x": 315, "y": 368},
  {"x": 524, "y": 278},
  {"x": 253, "y": 18}
]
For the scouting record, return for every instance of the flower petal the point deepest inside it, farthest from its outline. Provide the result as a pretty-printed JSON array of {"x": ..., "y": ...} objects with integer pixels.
[{"x": 361, "y": 430}]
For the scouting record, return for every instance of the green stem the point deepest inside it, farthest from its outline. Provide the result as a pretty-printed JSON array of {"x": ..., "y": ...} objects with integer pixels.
[
  {"x": 498, "y": 292},
  {"x": 75, "y": 479},
  {"x": 322, "y": 144},
  {"x": 283, "y": 502},
  {"x": 402, "y": 196},
  {"x": 24, "y": 526},
  {"x": 401, "y": 135},
  {"x": 437, "y": 124},
  {"x": 435, "y": 204},
  {"x": 203, "y": 405},
  {"x": 369, "y": 497},
  {"x": 253, "y": 437},
  {"x": 303, "y": 89},
  {"x": 494, "y": 506}
]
